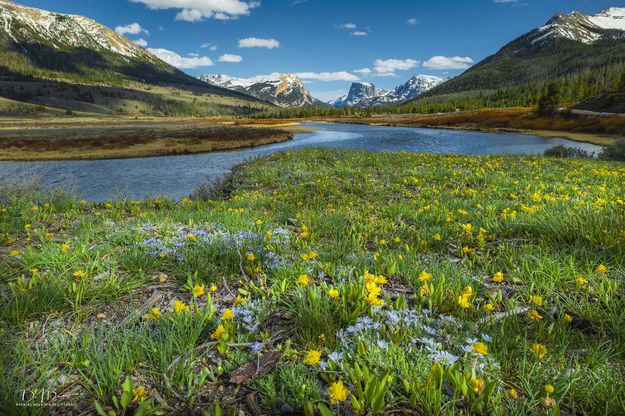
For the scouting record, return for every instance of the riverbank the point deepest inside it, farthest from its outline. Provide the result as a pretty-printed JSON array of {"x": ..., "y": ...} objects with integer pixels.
[
  {"x": 37, "y": 140},
  {"x": 597, "y": 130},
  {"x": 454, "y": 283}
]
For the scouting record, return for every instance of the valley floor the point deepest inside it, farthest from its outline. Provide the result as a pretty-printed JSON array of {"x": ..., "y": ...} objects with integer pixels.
[
  {"x": 357, "y": 283},
  {"x": 106, "y": 138}
]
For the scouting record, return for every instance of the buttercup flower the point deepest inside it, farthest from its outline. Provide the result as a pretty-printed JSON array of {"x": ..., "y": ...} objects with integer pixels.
[
  {"x": 498, "y": 277},
  {"x": 338, "y": 392},
  {"x": 313, "y": 357},
  {"x": 180, "y": 306},
  {"x": 539, "y": 350},
  {"x": 198, "y": 290},
  {"x": 219, "y": 333},
  {"x": 425, "y": 276}
]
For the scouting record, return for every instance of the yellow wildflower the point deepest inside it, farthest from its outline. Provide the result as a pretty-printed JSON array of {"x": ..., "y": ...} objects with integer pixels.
[
  {"x": 154, "y": 314},
  {"x": 534, "y": 315},
  {"x": 381, "y": 280},
  {"x": 65, "y": 247},
  {"x": 373, "y": 288},
  {"x": 537, "y": 300},
  {"x": 213, "y": 288},
  {"x": 477, "y": 384},
  {"x": 581, "y": 281},
  {"x": 513, "y": 393},
  {"x": 549, "y": 389},
  {"x": 568, "y": 318},
  {"x": 198, "y": 290},
  {"x": 191, "y": 237},
  {"x": 539, "y": 350},
  {"x": 313, "y": 357},
  {"x": 369, "y": 277},
  {"x": 250, "y": 256},
  {"x": 14, "y": 253},
  {"x": 333, "y": 293},
  {"x": 180, "y": 306},
  {"x": 259, "y": 222},
  {"x": 480, "y": 348},
  {"x": 139, "y": 394},
  {"x": 498, "y": 277},
  {"x": 303, "y": 280},
  {"x": 437, "y": 237},
  {"x": 425, "y": 276},
  {"x": 601, "y": 269},
  {"x": 219, "y": 333},
  {"x": 374, "y": 300},
  {"x": 312, "y": 255},
  {"x": 228, "y": 315},
  {"x": 489, "y": 307},
  {"x": 382, "y": 242},
  {"x": 80, "y": 273},
  {"x": 239, "y": 300},
  {"x": 338, "y": 392}
]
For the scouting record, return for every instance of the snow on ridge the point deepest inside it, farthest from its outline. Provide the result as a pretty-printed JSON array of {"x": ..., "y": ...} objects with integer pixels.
[{"x": 612, "y": 18}]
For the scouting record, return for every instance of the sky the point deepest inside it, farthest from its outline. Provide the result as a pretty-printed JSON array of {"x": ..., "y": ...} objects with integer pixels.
[{"x": 328, "y": 43}]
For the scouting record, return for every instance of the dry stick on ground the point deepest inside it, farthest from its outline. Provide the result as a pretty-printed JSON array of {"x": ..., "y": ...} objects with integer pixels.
[{"x": 175, "y": 362}]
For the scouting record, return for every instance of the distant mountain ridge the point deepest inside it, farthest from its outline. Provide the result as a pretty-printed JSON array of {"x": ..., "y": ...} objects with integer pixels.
[
  {"x": 284, "y": 90},
  {"x": 364, "y": 94}
]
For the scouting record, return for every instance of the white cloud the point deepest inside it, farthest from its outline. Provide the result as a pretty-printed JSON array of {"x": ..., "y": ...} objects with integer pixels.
[
  {"x": 359, "y": 33},
  {"x": 227, "y": 57},
  {"x": 181, "y": 62},
  {"x": 258, "y": 43},
  {"x": 131, "y": 29},
  {"x": 387, "y": 67},
  {"x": 195, "y": 10},
  {"x": 210, "y": 46},
  {"x": 190, "y": 15},
  {"x": 350, "y": 26},
  {"x": 443, "y": 62},
  {"x": 363, "y": 71},
  {"x": 412, "y": 21},
  {"x": 140, "y": 42},
  {"x": 328, "y": 76}
]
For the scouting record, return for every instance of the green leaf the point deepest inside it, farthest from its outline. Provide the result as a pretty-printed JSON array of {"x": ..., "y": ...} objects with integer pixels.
[
  {"x": 100, "y": 409},
  {"x": 126, "y": 393},
  {"x": 323, "y": 410}
]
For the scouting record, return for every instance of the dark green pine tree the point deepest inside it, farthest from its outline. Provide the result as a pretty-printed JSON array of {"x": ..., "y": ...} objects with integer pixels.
[{"x": 550, "y": 101}]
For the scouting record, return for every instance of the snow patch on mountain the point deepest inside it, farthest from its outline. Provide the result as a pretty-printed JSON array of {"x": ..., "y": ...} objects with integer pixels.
[
  {"x": 363, "y": 94},
  {"x": 285, "y": 90},
  {"x": 581, "y": 28}
]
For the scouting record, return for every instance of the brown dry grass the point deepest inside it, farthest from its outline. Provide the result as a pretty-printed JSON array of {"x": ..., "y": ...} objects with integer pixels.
[{"x": 125, "y": 140}]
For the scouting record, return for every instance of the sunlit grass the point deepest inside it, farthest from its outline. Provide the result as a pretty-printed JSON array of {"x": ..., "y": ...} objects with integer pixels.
[{"x": 403, "y": 283}]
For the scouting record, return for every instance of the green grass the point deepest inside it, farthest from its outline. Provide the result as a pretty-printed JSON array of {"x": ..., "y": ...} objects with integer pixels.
[{"x": 324, "y": 251}]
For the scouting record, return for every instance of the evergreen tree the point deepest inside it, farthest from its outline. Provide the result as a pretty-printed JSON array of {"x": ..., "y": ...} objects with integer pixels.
[
  {"x": 621, "y": 84},
  {"x": 550, "y": 101}
]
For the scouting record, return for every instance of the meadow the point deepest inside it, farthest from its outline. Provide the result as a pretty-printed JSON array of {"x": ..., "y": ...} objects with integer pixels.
[
  {"x": 323, "y": 282},
  {"x": 105, "y": 138}
]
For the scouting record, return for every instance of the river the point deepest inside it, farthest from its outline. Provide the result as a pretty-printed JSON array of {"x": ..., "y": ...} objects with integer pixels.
[{"x": 178, "y": 176}]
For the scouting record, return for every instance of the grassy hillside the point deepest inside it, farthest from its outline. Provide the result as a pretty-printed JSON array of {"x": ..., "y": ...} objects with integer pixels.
[
  {"x": 360, "y": 282},
  {"x": 518, "y": 75},
  {"x": 75, "y": 64}
]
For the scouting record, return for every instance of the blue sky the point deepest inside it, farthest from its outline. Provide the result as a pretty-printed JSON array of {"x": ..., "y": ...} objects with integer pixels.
[{"x": 330, "y": 43}]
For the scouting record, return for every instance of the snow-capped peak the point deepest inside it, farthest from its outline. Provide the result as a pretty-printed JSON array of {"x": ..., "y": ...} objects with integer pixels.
[
  {"x": 582, "y": 28},
  {"x": 364, "y": 94},
  {"x": 280, "y": 89},
  {"x": 612, "y": 18}
]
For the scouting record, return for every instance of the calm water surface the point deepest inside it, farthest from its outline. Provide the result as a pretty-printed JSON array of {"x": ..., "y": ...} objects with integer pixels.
[{"x": 178, "y": 176}]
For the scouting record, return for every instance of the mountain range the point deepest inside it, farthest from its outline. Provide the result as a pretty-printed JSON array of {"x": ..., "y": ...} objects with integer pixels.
[
  {"x": 585, "y": 54},
  {"x": 363, "y": 94},
  {"x": 73, "y": 62},
  {"x": 284, "y": 90}
]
